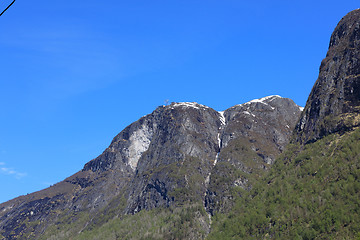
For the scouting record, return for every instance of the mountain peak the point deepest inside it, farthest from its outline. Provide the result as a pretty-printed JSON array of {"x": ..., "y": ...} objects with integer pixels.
[
  {"x": 334, "y": 102},
  {"x": 266, "y": 99},
  {"x": 187, "y": 105},
  {"x": 172, "y": 157}
]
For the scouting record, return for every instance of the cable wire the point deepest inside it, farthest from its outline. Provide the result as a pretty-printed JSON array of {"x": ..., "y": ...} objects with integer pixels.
[{"x": 7, "y": 7}]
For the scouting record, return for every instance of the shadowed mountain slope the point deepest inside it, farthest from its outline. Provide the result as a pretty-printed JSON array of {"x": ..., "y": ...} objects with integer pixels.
[
  {"x": 313, "y": 189},
  {"x": 333, "y": 104},
  {"x": 172, "y": 159}
]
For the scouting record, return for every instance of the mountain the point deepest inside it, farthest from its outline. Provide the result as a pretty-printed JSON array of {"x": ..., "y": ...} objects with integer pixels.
[
  {"x": 182, "y": 161},
  {"x": 313, "y": 189},
  {"x": 258, "y": 170},
  {"x": 333, "y": 104}
]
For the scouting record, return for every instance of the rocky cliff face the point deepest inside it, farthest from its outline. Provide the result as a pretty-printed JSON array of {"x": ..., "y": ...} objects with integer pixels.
[
  {"x": 179, "y": 158},
  {"x": 333, "y": 104},
  {"x": 312, "y": 191},
  {"x": 253, "y": 135},
  {"x": 184, "y": 153}
]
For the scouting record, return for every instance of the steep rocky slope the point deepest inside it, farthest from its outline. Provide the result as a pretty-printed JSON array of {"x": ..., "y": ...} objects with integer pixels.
[
  {"x": 186, "y": 171},
  {"x": 173, "y": 158},
  {"x": 313, "y": 189},
  {"x": 255, "y": 133},
  {"x": 333, "y": 104}
]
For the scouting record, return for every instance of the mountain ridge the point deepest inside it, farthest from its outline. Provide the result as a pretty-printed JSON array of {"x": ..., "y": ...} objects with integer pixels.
[
  {"x": 312, "y": 191},
  {"x": 262, "y": 169},
  {"x": 164, "y": 159},
  {"x": 333, "y": 104}
]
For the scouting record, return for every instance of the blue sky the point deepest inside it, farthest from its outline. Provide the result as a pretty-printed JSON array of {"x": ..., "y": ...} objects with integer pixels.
[{"x": 74, "y": 74}]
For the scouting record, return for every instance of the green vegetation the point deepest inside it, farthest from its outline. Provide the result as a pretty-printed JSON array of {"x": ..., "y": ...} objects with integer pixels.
[
  {"x": 160, "y": 223},
  {"x": 71, "y": 223},
  {"x": 239, "y": 150},
  {"x": 309, "y": 193},
  {"x": 186, "y": 218},
  {"x": 238, "y": 168}
]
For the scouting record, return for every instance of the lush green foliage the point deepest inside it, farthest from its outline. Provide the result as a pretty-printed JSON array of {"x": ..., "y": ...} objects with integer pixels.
[
  {"x": 160, "y": 223},
  {"x": 71, "y": 223},
  {"x": 310, "y": 193},
  {"x": 188, "y": 221}
]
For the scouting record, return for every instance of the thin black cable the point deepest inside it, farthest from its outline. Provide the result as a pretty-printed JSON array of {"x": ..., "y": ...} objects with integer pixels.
[{"x": 7, "y": 8}]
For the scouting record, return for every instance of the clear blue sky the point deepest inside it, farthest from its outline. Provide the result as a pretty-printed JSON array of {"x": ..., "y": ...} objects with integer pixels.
[{"x": 75, "y": 73}]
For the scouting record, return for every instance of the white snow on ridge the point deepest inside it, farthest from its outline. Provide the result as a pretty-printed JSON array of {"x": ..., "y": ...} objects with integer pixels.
[
  {"x": 301, "y": 108},
  {"x": 272, "y": 97},
  {"x": 188, "y": 104},
  {"x": 262, "y": 100}
]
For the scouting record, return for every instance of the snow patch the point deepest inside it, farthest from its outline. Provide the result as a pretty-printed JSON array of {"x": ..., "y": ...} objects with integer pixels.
[
  {"x": 219, "y": 140},
  {"x": 251, "y": 114},
  {"x": 301, "y": 108},
  {"x": 216, "y": 159},
  {"x": 140, "y": 142},
  {"x": 188, "y": 104},
  {"x": 263, "y": 100},
  {"x": 222, "y": 118}
]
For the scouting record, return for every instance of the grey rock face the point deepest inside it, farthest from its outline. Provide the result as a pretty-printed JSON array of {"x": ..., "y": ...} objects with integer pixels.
[
  {"x": 183, "y": 149},
  {"x": 266, "y": 123},
  {"x": 334, "y": 102},
  {"x": 126, "y": 148},
  {"x": 255, "y": 133},
  {"x": 184, "y": 153}
]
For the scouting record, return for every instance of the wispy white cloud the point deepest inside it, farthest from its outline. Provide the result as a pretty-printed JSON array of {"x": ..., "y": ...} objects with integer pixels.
[{"x": 11, "y": 171}]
